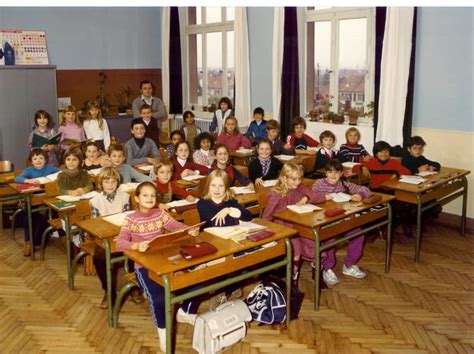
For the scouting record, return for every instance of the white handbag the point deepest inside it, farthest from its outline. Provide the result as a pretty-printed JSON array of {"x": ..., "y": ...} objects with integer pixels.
[{"x": 217, "y": 330}]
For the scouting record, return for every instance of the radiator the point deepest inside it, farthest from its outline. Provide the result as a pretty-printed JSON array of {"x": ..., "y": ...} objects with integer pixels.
[{"x": 203, "y": 124}]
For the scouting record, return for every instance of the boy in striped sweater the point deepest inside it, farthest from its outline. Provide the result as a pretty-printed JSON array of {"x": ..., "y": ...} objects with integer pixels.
[{"x": 352, "y": 151}]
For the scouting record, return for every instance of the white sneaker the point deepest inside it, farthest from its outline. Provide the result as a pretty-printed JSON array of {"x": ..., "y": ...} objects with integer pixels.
[
  {"x": 353, "y": 271},
  {"x": 330, "y": 278},
  {"x": 162, "y": 338},
  {"x": 184, "y": 317}
]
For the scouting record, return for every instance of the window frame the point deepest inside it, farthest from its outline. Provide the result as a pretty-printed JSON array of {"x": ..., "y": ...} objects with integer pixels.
[
  {"x": 334, "y": 15},
  {"x": 222, "y": 27}
]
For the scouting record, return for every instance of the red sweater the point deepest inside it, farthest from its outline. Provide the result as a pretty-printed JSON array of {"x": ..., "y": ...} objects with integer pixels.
[
  {"x": 189, "y": 165},
  {"x": 311, "y": 142},
  {"x": 175, "y": 189},
  {"x": 380, "y": 173}
]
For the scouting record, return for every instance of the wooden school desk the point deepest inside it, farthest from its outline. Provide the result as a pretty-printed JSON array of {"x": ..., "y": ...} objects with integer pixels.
[
  {"x": 31, "y": 201},
  {"x": 442, "y": 187},
  {"x": 103, "y": 233},
  {"x": 173, "y": 274},
  {"x": 318, "y": 227}
]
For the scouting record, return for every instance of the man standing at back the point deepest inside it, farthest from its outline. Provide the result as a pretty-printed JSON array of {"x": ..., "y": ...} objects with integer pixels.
[{"x": 157, "y": 107}]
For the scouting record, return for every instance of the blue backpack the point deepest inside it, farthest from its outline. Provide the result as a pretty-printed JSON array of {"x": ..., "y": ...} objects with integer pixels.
[{"x": 267, "y": 303}]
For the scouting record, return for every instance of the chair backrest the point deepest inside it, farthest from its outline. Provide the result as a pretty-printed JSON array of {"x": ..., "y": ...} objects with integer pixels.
[
  {"x": 308, "y": 163},
  {"x": 133, "y": 202},
  {"x": 83, "y": 209},
  {"x": 51, "y": 189},
  {"x": 191, "y": 217},
  {"x": 6, "y": 166},
  {"x": 243, "y": 170},
  {"x": 163, "y": 154}
]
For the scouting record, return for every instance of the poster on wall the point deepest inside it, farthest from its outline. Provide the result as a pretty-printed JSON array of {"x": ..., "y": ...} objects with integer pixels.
[{"x": 29, "y": 46}]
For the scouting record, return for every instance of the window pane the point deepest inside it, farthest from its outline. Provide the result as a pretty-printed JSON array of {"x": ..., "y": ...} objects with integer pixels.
[
  {"x": 198, "y": 15},
  {"x": 230, "y": 13},
  {"x": 352, "y": 63},
  {"x": 194, "y": 16},
  {"x": 213, "y": 14},
  {"x": 319, "y": 61},
  {"x": 214, "y": 67},
  {"x": 230, "y": 65},
  {"x": 195, "y": 69}
]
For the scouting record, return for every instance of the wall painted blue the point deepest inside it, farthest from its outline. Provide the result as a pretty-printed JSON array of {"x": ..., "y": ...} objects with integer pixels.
[
  {"x": 260, "y": 26},
  {"x": 443, "y": 91},
  {"x": 93, "y": 37}
]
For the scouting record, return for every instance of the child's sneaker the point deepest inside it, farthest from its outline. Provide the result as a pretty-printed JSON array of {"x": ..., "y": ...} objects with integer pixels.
[
  {"x": 162, "y": 338},
  {"x": 330, "y": 277},
  {"x": 353, "y": 271},
  {"x": 184, "y": 317}
]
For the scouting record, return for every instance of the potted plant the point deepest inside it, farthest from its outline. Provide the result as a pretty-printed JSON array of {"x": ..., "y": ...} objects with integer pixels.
[
  {"x": 353, "y": 114},
  {"x": 331, "y": 116},
  {"x": 123, "y": 99},
  {"x": 338, "y": 118}
]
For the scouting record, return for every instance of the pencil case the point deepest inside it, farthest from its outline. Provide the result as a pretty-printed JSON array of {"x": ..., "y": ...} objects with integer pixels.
[
  {"x": 260, "y": 235},
  {"x": 372, "y": 199},
  {"x": 334, "y": 212},
  {"x": 197, "y": 250}
]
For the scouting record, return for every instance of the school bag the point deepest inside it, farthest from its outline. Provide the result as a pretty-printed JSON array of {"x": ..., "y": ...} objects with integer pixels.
[
  {"x": 214, "y": 331},
  {"x": 267, "y": 303}
]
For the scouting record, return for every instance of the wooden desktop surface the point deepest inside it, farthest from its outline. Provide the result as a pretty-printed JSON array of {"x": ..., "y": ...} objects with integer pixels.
[{"x": 157, "y": 261}]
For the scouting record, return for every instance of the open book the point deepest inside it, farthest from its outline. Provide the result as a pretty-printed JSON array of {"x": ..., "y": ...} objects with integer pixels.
[
  {"x": 38, "y": 141},
  {"x": 245, "y": 151},
  {"x": 426, "y": 173},
  {"x": 145, "y": 168},
  {"x": 301, "y": 209},
  {"x": 230, "y": 232},
  {"x": 70, "y": 198},
  {"x": 173, "y": 236},
  {"x": 49, "y": 178},
  {"x": 128, "y": 187},
  {"x": 119, "y": 218},
  {"x": 340, "y": 197},
  {"x": 242, "y": 190},
  {"x": 193, "y": 177},
  {"x": 182, "y": 202},
  {"x": 284, "y": 157},
  {"x": 270, "y": 183},
  {"x": 412, "y": 179},
  {"x": 350, "y": 164},
  {"x": 95, "y": 171}
]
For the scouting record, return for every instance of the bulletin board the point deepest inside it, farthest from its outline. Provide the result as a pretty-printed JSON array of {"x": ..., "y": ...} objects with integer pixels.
[{"x": 30, "y": 46}]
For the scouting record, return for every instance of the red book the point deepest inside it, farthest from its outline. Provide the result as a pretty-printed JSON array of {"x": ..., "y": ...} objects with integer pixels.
[{"x": 26, "y": 186}]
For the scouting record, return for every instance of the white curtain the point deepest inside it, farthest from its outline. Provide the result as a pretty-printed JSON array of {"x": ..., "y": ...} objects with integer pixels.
[
  {"x": 242, "y": 68},
  {"x": 395, "y": 67},
  {"x": 165, "y": 56},
  {"x": 184, "y": 61},
  {"x": 278, "y": 33}
]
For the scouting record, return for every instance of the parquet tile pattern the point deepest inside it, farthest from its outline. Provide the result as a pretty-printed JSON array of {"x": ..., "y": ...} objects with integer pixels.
[{"x": 416, "y": 308}]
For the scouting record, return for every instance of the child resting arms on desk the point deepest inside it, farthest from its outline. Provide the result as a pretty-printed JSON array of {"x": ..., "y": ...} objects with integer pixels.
[{"x": 139, "y": 228}]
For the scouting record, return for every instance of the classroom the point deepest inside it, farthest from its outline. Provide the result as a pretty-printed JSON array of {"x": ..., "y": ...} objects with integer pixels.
[{"x": 170, "y": 176}]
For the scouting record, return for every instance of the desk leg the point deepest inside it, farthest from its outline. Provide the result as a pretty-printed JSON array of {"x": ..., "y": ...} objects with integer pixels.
[
  {"x": 108, "y": 272},
  {"x": 30, "y": 224},
  {"x": 68, "y": 251},
  {"x": 464, "y": 206},
  {"x": 388, "y": 246},
  {"x": 289, "y": 257},
  {"x": 418, "y": 228},
  {"x": 317, "y": 265},
  {"x": 168, "y": 314}
]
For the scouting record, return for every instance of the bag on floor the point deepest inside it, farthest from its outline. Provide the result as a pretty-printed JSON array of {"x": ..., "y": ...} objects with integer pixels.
[
  {"x": 214, "y": 331},
  {"x": 267, "y": 303}
]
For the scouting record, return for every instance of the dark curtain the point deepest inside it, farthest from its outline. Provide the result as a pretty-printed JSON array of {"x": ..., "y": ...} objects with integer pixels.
[
  {"x": 290, "y": 100},
  {"x": 380, "y": 14},
  {"x": 408, "y": 121},
  {"x": 176, "y": 86}
]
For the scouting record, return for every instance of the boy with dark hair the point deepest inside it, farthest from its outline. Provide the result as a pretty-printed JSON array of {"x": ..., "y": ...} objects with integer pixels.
[
  {"x": 298, "y": 139},
  {"x": 152, "y": 130},
  {"x": 140, "y": 149},
  {"x": 258, "y": 127},
  {"x": 327, "y": 152},
  {"x": 414, "y": 160},
  {"x": 278, "y": 147}
]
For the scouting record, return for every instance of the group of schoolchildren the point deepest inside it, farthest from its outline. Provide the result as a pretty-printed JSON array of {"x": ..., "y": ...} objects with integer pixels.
[{"x": 193, "y": 152}]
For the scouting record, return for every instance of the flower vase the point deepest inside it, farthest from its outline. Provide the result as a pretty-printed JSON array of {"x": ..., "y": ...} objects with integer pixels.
[{"x": 353, "y": 120}]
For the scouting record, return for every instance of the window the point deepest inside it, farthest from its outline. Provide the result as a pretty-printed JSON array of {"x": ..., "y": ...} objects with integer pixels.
[
  {"x": 339, "y": 56},
  {"x": 210, "y": 53}
]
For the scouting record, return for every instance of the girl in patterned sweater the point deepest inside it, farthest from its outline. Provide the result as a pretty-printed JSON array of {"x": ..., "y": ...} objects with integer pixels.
[
  {"x": 335, "y": 183},
  {"x": 139, "y": 228}
]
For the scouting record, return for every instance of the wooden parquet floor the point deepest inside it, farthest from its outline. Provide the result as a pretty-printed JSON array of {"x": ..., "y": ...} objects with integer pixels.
[{"x": 416, "y": 308}]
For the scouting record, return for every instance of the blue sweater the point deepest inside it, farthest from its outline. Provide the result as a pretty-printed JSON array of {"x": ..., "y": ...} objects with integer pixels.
[
  {"x": 208, "y": 209},
  {"x": 259, "y": 132},
  {"x": 32, "y": 173}
]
